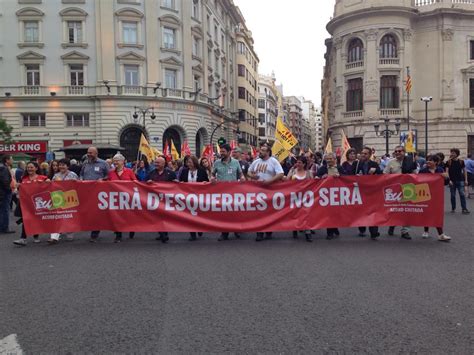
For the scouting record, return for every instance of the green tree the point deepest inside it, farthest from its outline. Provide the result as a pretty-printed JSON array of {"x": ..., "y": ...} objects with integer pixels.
[{"x": 5, "y": 131}]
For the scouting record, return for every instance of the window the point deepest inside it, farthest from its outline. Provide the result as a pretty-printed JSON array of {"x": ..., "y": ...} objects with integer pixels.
[
  {"x": 169, "y": 38},
  {"x": 471, "y": 93},
  {"x": 216, "y": 64},
  {"x": 74, "y": 31},
  {"x": 354, "y": 99},
  {"x": 130, "y": 32},
  {"x": 261, "y": 103},
  {"x": 196, "y": 47},
  {"x": 223, "y": 70},
  {"x": 168, "y": 3},
  {"x": 241, "y": 48},
  {"x": 241, "y": 70},
  {"x": 76, "y": 74},
  {"x": 131, "y": 75},
  {"x": 196, "y": 9},
  {"x": 216, "y": 32},
  {"x": 242, "y": 115},
  {"x": 197, "y": 82},
  {"x": 388, "y": 47},
  {"x": 222, "y": 41},
  {"x": 209, "y": 56},
  {"x": 471, "y": 43},
  {"x": 389, "y": 92},
  {"x": 261, "y": 117},
  {"x": 77, "y": 120},
  {"x": 34, "y": 119},
  {"x": 356, "y": 51},
  {"x": 31, "y": 31},
  {"x": 242, "y": 92},
  {"x": 171, "y": 79},
  {"x": 208, "y": 22},
  {"x": 32, "y": 74}
]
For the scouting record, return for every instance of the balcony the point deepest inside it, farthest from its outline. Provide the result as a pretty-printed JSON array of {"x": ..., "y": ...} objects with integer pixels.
[
  {"x": 390, "y": 112},
  {"x": 132, "y": 90},
  {"x": 76, "y": 90},
  {"x": 175, "y": 93},
  {"x": 31, "y": 90},
  {"x": 354, "y": 65},
  {"x": 389, "y": 61},
  {"x": 353, "y": 114}
]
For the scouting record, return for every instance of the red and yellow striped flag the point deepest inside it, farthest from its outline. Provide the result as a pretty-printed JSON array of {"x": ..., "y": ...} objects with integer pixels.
[{"x": 408, "y": 84}]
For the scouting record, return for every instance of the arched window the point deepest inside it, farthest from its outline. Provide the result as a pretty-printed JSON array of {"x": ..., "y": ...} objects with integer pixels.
[
  {"x": 356, "y": 51},
  {"x": 388, "y": 47}
]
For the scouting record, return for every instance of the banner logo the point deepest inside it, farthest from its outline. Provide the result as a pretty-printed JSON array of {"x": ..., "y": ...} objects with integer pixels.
[
  {"x": 415, "y": 193},
  {"x": 50, "y": 201}
]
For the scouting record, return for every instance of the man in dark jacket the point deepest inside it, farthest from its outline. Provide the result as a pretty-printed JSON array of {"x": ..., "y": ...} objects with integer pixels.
[
  {"x": 5, "y": 193},
  {"x": 365, "y": 166}
]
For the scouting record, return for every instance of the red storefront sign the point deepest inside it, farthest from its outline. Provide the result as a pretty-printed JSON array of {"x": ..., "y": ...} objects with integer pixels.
[
  {"x": 351, "y": 201},
  {"x": 68, "y": 143},
  {"x": 28, "y": 147}
]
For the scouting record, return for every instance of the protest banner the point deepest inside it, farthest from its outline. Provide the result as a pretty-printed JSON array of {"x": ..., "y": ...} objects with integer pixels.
[{"x": 351, "y": 201}]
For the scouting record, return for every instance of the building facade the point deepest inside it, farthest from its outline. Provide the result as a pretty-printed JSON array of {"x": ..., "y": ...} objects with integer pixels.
[
  {"x": 268, "y": 111},
  {"x": 103, "y": 72},
  {"x": 247, "y": 86},
  {"x": 372, "y": 44},
  {"x": 294, "y": 110}
]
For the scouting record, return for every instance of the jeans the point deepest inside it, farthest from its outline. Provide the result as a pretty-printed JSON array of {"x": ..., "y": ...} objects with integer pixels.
[
  {"x": 5, "y": 211},
  {"x": 458, "y": 185}
]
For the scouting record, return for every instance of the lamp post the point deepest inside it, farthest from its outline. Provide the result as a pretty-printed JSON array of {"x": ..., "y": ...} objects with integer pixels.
[
  {"x": 144, "y": 111},
  {"x": 387, "y": 133},
  {"x": 426, "y": 100},
  {"x": 215, "y": 129}
]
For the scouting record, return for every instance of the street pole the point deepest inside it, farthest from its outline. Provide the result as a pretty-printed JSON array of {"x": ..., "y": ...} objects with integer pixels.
[
  {"x": 387, "y": 132},
  {"x": 408, "y": 101},
  {"x": 426, "y": 128}
]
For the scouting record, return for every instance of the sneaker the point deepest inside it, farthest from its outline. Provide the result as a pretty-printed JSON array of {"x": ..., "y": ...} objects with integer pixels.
[
  {"x": 391, "y": 231},
  {"x": 361, "y": 234},
  {"x": 405, "y": 236},
  {"x": 453, "y": 211},
  {"x": 36, "y": 240},
  {"x": 199, "y": 234},
  {"x": 309, "y": 238},
  {"x": 52, "y": 241},
  {"x": 425, "y": 235},
  {"x": 20, "y": 242},
  {"x": 444, "y": 238},
  {"x": 375, "y": 236},
  {"x": 466, "y": 212}
]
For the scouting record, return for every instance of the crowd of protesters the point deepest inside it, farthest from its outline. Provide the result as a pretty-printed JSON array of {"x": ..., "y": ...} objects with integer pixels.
[{"x": 233, "y": 165}]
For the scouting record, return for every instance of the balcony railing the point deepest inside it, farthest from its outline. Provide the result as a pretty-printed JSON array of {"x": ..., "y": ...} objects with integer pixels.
[
  {"x": 75, "y": 90},
  {"x": 353, "y": 65},
  {"x": 353, "y": 114},
  {"x": 419, "y": 3},
  {"x": 31, "y": 90},
  {"x": 131, "y": 90},
  {"x": 389, "y": 61},
  {"x": 175, "y": 93},
  {"x": 390, "y": 112}
]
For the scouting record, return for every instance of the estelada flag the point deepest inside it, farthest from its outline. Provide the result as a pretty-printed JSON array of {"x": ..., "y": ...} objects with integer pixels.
[
  {"x": 174, "y": 151},
  {"x": 410, "y": 145},
  {"x": 185, "y": 150},
  {"x": 328, "y": 146},
  {"x": 284, "y": 135},
  {"x": 345, "y": 147},
  {"x": 146, "y": 150},
  {"x": 208, "y": 153}
]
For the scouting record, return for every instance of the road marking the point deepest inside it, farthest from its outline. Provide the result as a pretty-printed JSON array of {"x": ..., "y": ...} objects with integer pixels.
[{"x": 10, "y": 346}]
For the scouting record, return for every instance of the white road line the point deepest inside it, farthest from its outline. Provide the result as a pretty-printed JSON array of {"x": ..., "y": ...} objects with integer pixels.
[{"x": 10, "y": 346}]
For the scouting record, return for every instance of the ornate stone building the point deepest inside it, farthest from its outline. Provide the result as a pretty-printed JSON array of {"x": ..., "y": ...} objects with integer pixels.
[
  {"x": 372, "y": 44},
  {"x": 103, "y": 72}
]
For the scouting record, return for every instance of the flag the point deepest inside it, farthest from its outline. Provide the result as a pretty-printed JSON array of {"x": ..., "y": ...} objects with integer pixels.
[
  {"x": 146, "y": 150},
  {"x": 345, "y": 146},
  {"x": 174, "y": 151},
  {"x": 279, "y": 152},
  {"x": 408, "y": 84},
  {"x": 284, "y": 135},
  {"x": 166, "y": 150},
  {"x": 254, "y": 151},
  {"x": 328, "y": 146},
  {"x": 233, "y": 144},
  {"x": 410, "y": 145},
  {"x": 157, "y": 152},
  {"x": 208, "y": 153},
  {"x": 185, "y": 150}
]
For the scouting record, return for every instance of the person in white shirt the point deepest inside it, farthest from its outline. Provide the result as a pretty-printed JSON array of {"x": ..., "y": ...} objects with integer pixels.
[{"x": 268, "y": 170}]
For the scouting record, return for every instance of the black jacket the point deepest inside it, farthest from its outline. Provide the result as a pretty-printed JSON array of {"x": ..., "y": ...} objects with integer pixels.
[
  {"x": 201, "y": 175},
  {"x": 357, "y": 167},
  {"x": 5, "y": 180}
]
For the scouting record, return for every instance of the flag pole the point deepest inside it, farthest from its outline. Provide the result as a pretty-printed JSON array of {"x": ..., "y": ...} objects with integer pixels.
[{"x": 408, "y": 89}]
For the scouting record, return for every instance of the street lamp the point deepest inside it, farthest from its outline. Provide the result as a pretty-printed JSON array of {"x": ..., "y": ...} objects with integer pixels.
[
  {"x": 387, "y": 133},
  {"x": 143, "y": 111},
  {"x": 426, "y": 100}
]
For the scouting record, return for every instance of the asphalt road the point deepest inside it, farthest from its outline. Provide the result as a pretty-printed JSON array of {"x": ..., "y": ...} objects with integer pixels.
[{"x": 348, "y": 295}]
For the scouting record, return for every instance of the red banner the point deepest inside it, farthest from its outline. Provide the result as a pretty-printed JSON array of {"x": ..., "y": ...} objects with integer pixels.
[
  {"x": 384, "y": 200},
  {"x": 24, "y": 147}
]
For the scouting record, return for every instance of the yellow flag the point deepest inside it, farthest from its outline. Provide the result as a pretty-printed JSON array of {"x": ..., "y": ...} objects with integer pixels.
[
  {"x": 284, "y": 135},
  {"x": 345, "y": 147},
  {"x": 279, "y": 152},
  {"x": 328, "y": 146},
  {"x": 174, "y": 151},
  {"x": 410, "y": 146},
  {"x": 157, "y": 152},
  {"x": 146, "y": 149}
]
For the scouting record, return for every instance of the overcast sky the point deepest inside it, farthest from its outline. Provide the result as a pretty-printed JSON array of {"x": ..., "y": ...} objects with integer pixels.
[{"x": 289, "y": 39}]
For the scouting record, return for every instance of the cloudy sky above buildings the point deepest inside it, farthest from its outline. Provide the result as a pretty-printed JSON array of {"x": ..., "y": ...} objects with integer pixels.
[{"x": 289, "y": 39}]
